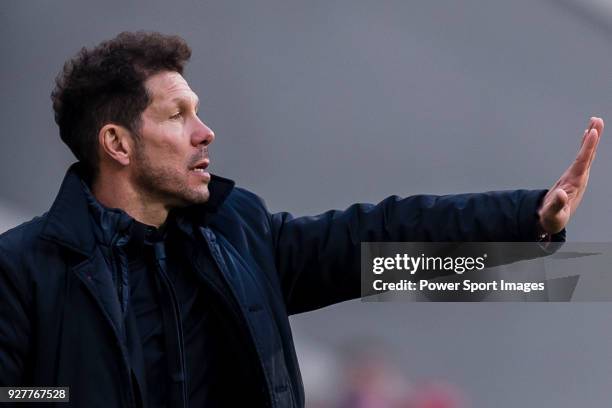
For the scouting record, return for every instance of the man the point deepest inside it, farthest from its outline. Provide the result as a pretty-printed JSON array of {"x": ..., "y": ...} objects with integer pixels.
[{"x": 152, "y": 283}]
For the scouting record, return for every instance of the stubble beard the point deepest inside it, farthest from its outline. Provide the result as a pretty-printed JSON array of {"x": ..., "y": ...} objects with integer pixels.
[{"x": 165, "y": 184}]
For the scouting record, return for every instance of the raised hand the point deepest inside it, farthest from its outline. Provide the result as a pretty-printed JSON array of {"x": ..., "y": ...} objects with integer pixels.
[{"x": 565, "y": 195}]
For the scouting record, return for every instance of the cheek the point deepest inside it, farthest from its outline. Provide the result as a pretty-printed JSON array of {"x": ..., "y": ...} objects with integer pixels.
[
  {"x": 164, "y": 149},
  {"x": 168, "y": 151}
]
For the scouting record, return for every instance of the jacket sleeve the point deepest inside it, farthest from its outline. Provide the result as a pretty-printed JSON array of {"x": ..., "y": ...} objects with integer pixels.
[
  {"x": 318, "y": 258},
  {"x": 14, "y": 325}
]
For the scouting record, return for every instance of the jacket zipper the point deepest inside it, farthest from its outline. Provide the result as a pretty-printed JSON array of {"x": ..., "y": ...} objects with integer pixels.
[
  {"x": 234, "y": 305},
  {"x": 116, "y": 270},
  {"x": 177, "y": 319}
]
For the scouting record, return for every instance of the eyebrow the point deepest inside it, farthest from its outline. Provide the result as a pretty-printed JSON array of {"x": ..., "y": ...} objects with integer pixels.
[{"x": 183, "y": 101}]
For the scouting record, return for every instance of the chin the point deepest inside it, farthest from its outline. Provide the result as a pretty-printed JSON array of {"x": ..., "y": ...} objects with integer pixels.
[
  {"x": 186, "y": 198},
  {"x": 198, "y": 196}
]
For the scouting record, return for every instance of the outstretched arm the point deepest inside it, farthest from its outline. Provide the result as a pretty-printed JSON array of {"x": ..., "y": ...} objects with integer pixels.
[{"x": 318, "y": 258}]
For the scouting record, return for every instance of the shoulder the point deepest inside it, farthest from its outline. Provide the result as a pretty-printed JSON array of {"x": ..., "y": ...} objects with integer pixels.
[
  {"x": 243, "y": 197},
  {"x": 244, "y": 208},
  {"x": 21, "y": 239},
  {"x": 244, "y": 203}
]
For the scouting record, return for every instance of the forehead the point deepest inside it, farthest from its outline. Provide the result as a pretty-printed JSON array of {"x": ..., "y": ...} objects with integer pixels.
[{"x": 166, "y": 87}]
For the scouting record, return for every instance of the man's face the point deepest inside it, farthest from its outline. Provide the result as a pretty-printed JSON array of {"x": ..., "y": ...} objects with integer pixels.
[{"x": 172, "y": 151}]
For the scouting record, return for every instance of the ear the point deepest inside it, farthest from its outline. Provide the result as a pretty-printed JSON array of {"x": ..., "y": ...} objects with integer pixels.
[{"x": 115, "y": 143}]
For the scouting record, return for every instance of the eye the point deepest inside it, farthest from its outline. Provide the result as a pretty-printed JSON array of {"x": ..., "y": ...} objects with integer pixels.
[{"x": 177, "y": 115}]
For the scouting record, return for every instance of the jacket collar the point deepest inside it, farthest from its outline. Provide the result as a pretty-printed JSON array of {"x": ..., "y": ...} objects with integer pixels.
[{"x": 69, "y": 223}]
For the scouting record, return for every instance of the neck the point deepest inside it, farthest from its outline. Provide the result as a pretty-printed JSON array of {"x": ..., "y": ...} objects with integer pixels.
[{"x": 119, "y": 193}]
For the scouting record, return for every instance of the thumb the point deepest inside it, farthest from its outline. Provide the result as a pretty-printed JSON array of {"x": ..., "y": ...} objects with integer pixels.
[{"x": 559, "y": 200}]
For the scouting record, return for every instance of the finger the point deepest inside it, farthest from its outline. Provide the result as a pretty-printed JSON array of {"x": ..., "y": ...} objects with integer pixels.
[
  {"x": 584, "y": 135},
  {"x": 554, "y": 218},
  {"x": 559, "y": 201},
  {"x": 594, "y": 123},
  {"x": 597, "y": 123},
  {"x": 590, "y": 126},
  {"x": 582, "y": 162},
  {"x": 592, "y": 157}
]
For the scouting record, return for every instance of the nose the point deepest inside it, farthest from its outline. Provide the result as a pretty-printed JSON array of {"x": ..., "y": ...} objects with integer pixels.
[{"x": 202, "y": 134}]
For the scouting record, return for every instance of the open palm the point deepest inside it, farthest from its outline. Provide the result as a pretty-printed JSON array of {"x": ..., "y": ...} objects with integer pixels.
[{"x": 566, "y": 194}]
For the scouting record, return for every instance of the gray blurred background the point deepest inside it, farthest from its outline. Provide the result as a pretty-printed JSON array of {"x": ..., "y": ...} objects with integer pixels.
[{"x": 319, "y": 104}]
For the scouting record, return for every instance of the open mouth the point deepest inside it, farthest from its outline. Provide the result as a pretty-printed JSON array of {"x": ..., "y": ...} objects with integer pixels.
[{"x": 200, "y": 167}]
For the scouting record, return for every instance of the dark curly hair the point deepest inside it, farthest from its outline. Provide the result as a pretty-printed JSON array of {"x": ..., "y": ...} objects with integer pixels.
[{"x": 106, "y": 84}]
